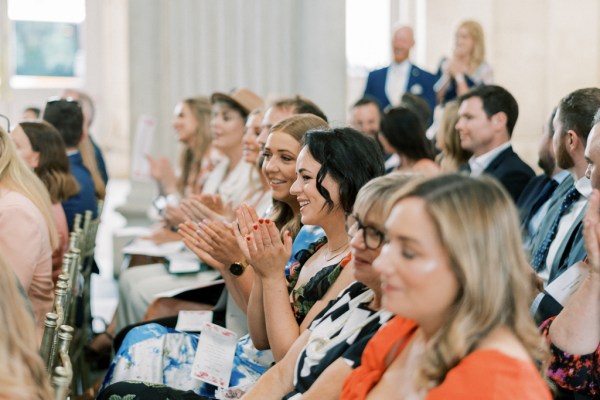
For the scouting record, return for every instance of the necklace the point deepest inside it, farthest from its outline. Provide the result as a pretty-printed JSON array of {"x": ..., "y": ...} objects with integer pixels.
[{"x": 336, "y": 252}]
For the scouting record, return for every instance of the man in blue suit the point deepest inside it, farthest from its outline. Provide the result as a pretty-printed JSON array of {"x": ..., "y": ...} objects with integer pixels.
[{"x": 388, "y": 84}]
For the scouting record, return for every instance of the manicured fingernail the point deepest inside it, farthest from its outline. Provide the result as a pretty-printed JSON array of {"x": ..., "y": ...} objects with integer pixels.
[
  {"x": 199, "y": 223},
  {"x": 248, "y": 238},
  {"x": 267, "y": 221},
  {"x": 255, "y": 226},
  {"x": 199, "y": 232},
  {"x": 260, "y": 220}
]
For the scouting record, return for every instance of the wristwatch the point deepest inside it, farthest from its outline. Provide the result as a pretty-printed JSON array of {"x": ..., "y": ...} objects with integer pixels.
[{"x": 238, "y": 268}]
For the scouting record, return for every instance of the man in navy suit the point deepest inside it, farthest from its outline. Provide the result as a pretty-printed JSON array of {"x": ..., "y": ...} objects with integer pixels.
[
  {"x": 388, "y": 84},
  {"x": 487, "y": 117}
]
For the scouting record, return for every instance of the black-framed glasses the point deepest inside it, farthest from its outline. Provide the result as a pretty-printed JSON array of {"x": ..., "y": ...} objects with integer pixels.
[
  {"x": 372, "y": 237},
  {"x": 5, "y": 123}
]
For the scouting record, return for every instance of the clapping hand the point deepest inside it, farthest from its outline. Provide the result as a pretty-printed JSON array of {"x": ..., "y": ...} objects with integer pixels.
[
  {"x": 591, "y": 232},
  {"x": 162, "y": 171},
  {"x": 260, "y": 241},
  {"x": 196, "y": 209}
]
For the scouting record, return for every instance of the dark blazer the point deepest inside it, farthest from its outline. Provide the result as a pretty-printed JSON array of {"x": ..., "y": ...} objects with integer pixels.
[
  {"x": 86, "y": 198},
  {"x": 530, "y": 193},
  {"x": 420, "y": 83},
  {"x": 511, "y": 171},
  {"x": 529, "y": 196}
]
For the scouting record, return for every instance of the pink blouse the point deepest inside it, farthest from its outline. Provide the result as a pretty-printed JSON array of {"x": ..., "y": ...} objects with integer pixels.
[{"x": 25, "y": 246}]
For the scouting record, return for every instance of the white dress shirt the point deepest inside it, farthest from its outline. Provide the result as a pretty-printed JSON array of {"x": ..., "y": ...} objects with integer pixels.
[
  {"x": 480, "y": 163},
  {"x": 396, "y": 81}
]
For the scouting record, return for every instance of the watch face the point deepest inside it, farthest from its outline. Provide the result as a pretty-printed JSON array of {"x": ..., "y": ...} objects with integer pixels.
[{"x": 236, "y": 269}]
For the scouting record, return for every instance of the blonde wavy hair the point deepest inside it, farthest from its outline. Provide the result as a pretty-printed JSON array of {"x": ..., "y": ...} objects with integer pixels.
[
  {"x": 477, "y": 222},
  {"x": 22, "y": 372},
  {"x": 190, "y": 160},
  {"x": 296, "y": 126},
  {"x": 452, "y": 155},
  {"x": 476, "y": 32},
  {"x": 17, "y": 176}
]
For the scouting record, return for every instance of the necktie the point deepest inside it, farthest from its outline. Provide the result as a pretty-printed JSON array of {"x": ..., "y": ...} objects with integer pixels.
[
  {"x": 543, "y": 196},
  {"x": 540, "y": 255}
]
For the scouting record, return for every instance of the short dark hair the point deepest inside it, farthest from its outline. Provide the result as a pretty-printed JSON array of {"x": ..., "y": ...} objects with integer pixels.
[
  {"x": 364, "y": 101},
  {"x": 405, "y": 132},
  {"x": 496, "y": 99},
  {"x": 576, "y": 111},
  {"x": 349, "y": 157},
  {"x": 35, "y": 110},
  {"x": 67, "y": 117},
  {"x": 300, "y": 105}
]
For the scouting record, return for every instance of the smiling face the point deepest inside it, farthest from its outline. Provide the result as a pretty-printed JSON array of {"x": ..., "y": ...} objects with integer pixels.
[
  {"x": 362, "y": 256},
  {"x": 281, "y": 152},
  {"x": 250, "y": 147},
  {"x": 476, "y": 129},
  {"x": 23, "y": 146},
  {"x": 417, "y": 280},
  {"x": 313, "y": 207},
  {"x": 366, "y": 119},
  {"x": 227, "y": 127},
  {"x": 185, "y": 124}
]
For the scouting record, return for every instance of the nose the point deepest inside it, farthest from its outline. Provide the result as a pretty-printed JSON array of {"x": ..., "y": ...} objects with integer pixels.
[
  {"x": 588, "y": 171},
  {"x": 295, "y": 189},
  {"x": 459, "y": 124},
  {"x": 248, "y": 136},
  {"x": 357, "y": 240},
  {"x": 380, "y": 263},
  {"x": 270, "y": 165}
]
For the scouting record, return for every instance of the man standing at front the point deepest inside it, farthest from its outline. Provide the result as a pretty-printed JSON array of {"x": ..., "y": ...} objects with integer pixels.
[
  {"x": 388, "y": 84},
  {"x": 487, "y": 117}
]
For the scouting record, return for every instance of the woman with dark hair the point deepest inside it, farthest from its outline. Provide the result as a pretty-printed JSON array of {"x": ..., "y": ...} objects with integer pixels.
[
  {"x": 403, "y": 133},
  {"x": 325, "y": 188},
  {"x": 43, "y": 149}
]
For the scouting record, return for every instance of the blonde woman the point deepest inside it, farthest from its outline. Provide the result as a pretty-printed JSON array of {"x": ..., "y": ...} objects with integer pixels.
[
  {"x": 447, "y": 140},
  {"x": 454, "y": 273},
  {"x": 27, "y": 231},
  {"x": 22, "y": 372},
  {"x": 466, "y": 67}
]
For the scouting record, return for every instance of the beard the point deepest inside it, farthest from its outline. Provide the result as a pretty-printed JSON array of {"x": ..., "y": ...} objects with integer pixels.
[
  {"x": 547, "y": 163},
  {"x": 563, "y": 158}
]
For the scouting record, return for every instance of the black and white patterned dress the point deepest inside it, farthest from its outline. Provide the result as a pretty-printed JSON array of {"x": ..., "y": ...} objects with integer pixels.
[{"x": 342, "y": 329}]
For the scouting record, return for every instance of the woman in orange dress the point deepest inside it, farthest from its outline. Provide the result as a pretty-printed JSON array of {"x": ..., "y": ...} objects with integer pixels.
[{"x": 455, "y": 274}]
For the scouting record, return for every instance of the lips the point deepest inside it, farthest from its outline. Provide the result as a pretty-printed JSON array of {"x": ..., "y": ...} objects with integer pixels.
[{"x": 303, "y": 203}]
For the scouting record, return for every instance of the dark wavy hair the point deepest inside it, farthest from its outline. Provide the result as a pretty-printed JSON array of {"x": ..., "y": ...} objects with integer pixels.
[
  {"x": 53, "y": 168},
  {"x": 349, "y": 157}
]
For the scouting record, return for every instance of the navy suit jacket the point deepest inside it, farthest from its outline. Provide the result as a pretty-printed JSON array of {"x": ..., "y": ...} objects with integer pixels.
[
  {"x": 86, "y": 198},
  {"x": 511, "y": 171},
  {"x": 420, "y": 83}
]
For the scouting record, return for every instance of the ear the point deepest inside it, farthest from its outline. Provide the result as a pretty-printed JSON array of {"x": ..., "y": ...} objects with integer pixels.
[
  {"x": 572, "y": 140},
  {"x": 499, "y": 119},
  {"x": 35, "y": 159}
]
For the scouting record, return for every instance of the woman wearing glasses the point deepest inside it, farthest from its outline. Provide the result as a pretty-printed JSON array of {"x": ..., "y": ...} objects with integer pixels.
[{"x": 454, "y": 273}]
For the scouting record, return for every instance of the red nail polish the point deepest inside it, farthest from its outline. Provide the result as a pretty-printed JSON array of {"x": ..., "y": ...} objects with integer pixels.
[
  {"x": 260, "y": 220},
  {"x": 255, "y": 227},
  {"x": 248, "y": 238},
  {"x": 267, "y": 221}
]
